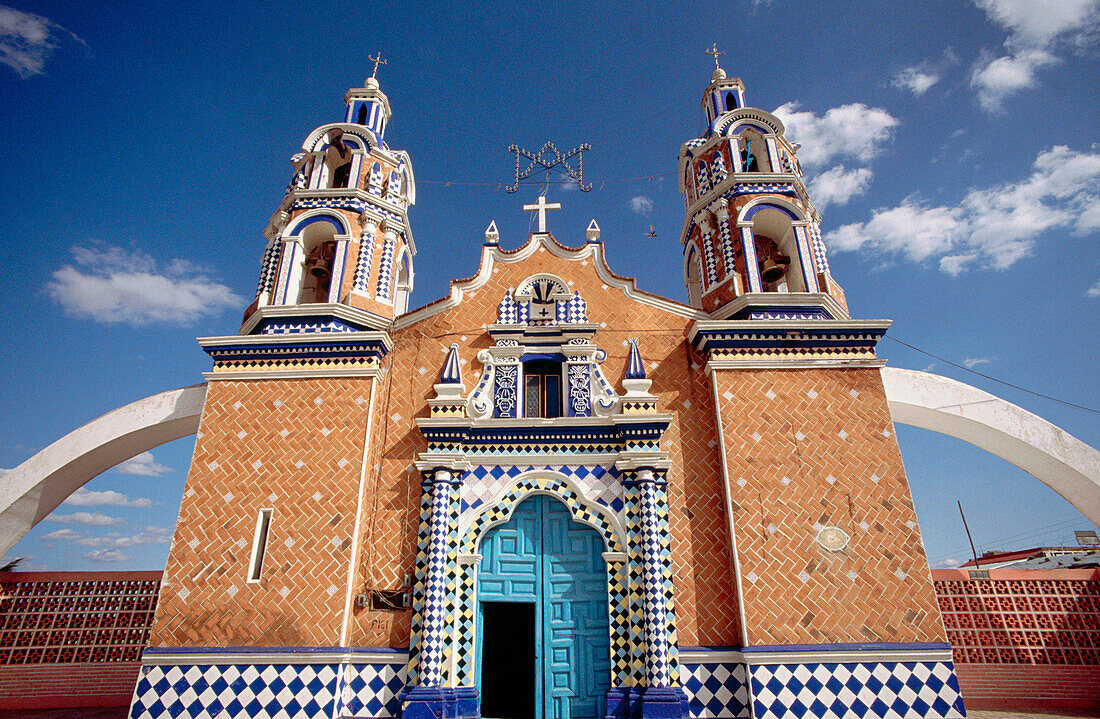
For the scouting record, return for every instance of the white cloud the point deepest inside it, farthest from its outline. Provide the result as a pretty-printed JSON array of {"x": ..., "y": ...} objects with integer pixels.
[
  {"x": 108, "y": 555},
  {"x": 640, "y": 205},
  {"x": 26, "y": 41},
  {"x": 972, "y": 362},
  {"x": 917, "y": 79},
  {"x": 838, "y": 184},
  {"x": 995, "y": 226},
  {"x": 1038, "y": 22},
  {"x": 107, "y": 498},
  {"x": 947, "y": 564},
  {"x": 1035, "y": 29},
  {"x": 1094, "y": 291},
  {"x": 144, "y": 466},
  {"x": 115, "y": 540},
  {"x": 64, "y": 535},
  {"x": 995, "y": 80},
  {"x": 853, "y": 130},
  {"x": 94, "y": 519},
  {"x": 114, "y": 285}
]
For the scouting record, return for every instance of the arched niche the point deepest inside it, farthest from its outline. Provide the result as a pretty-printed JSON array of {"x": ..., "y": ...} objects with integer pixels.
[
  {"x": 693, "y": 277},
  {"x": 403, "y": 283},
  {"x": 777, "y": 251}
]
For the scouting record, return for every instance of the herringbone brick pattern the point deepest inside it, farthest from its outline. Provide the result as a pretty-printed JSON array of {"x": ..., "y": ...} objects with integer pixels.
[
  {"x": 813, "y": 448},
  {"x": 294, "y": 446}
]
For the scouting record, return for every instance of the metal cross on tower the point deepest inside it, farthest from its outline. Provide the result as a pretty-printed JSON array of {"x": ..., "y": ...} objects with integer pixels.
[
  {"x": 715, "y": 52},
  {"x": 377, "y": 60},
  {"x": 541, "y": 207}
]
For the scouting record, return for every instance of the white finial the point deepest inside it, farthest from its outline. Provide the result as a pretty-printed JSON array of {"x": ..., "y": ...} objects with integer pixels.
[
  {"x": 492, "y": 235},
  {"x": 593, "y": 232},
  {"x": 541, "y": 207}
]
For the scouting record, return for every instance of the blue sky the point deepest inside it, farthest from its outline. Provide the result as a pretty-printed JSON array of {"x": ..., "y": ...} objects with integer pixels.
[{"x": 951, "y": 147}]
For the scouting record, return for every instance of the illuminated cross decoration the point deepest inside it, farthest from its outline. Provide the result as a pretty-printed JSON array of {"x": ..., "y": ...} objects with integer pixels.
[
  {"x": 715, "y": 52},
  {"x": 541, "y": 207},
  {"x": 377, "y": 60}
]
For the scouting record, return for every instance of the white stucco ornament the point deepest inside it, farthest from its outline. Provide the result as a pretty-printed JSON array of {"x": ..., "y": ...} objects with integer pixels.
[{"x": 833, "y": 539}]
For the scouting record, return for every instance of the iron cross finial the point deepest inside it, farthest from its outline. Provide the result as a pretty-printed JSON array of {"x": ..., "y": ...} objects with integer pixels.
[
  {"x": 715, "y": 52},
  {"x": 377, "y": 60}
]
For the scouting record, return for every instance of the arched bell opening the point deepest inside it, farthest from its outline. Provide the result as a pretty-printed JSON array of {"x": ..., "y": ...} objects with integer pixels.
[
  {"x": 754, "y": 152},
  {"x": 777, "y": 256},
  {"x": 318, "y": 258},
  {"x": 338, "y": 160}
]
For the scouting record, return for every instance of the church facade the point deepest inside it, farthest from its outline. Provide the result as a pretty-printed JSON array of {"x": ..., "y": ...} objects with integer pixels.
[{"x": 549, "y": 494}]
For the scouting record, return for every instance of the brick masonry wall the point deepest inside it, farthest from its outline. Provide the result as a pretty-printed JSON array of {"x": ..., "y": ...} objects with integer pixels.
[
  {"x": 813, "y": 447},
  {"x": 62, "y": 686},
  {"x": 295, "y": 446}
]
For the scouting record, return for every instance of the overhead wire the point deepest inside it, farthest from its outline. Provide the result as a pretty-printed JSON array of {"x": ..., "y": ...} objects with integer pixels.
[{"x": 993, "y": 379}]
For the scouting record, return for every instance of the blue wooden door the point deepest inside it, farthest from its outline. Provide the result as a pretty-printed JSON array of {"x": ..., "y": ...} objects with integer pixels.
[{"x": 543, "y": 556}]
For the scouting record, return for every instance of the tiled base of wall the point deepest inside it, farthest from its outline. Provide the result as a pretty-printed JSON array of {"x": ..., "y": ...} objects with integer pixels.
[
  {"x": 864, "y": 690},
  {"x": 65, "y": 686},
  {"x": 717, "y": 685},
  {"x": 1030, "y": 686},
  {"x": 269, "y": 691},
  {"x": 716, "y": 689}
]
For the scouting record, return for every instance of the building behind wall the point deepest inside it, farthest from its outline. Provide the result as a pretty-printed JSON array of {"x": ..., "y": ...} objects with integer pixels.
[{"x": 679, "y": 509}]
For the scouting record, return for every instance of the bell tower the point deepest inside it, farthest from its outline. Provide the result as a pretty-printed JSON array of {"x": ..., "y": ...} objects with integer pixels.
[
  {"x": 751, "y": 236},
  {"x": 340, "y": 251}
]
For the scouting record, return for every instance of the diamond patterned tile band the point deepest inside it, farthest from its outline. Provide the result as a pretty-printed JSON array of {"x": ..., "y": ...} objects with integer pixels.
[
  {"x": 716, "y": 689},
  {"x": 882, "y": 690},
  {"x": 268, "y": 691},
  {"x": 290, "y": 691}
]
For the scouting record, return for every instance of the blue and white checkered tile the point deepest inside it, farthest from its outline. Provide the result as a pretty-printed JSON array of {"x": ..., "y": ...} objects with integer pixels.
[
  {"x": 252, "y": 691},
  {"x": 385, "y": 269},
  {"x": 578, "y": 309},
  {"x": 371, "y": 690},
  {"x": 882, "y": 690},
  {"x": 363, "y": 262},
  {"x": 507, "y": 313},
  {"x": 708, "y": 255},
  {"x": 716, "y": 690}
]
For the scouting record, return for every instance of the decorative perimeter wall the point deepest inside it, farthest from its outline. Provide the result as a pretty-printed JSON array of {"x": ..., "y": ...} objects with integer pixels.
[
  {"x": 73, "y": 639},
  {"x": 1024, "y": 639}
]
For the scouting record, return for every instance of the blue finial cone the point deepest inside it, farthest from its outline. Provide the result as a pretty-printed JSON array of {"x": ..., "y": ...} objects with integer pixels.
[
  {"x": 635, "y": 370},
  {"x": 452, "y": 373}
]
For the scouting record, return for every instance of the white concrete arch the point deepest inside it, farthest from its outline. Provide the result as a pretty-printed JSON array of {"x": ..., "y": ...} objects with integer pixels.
[
  {"x": 34, "y": 489},
  {"x": 1061, "y": 461},
  {"x": 1056, "y": 458}
]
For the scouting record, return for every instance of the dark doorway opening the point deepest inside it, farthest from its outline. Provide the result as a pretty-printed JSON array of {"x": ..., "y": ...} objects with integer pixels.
[{"x": 508, "y": 660}]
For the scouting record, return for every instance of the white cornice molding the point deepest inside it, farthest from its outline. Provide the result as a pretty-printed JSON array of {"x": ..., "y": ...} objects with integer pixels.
[
  {"x": 787, "y": 658},
  {"x": 321, "y": 309},
  {"x": 592, "y": 251}
]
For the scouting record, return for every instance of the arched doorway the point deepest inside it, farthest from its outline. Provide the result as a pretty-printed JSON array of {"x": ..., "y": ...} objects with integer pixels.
[{"x": 543, "y": 647}]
